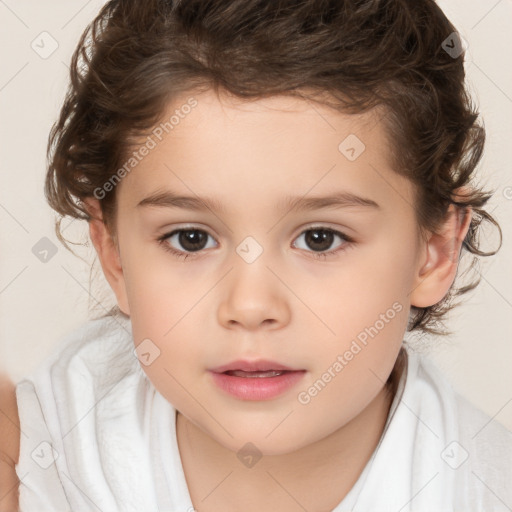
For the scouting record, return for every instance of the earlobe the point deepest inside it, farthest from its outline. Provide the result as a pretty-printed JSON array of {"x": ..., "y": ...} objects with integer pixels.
[
  {"x": 108, "y": 253},
  {"x": 439, "y": 264}
]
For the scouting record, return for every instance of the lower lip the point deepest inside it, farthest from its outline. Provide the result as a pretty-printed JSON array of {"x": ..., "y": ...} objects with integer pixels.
[{"x": 257, "y": 388}]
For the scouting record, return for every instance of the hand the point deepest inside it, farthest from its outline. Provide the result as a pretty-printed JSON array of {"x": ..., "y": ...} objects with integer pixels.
[{"x": 9, "y": 446}]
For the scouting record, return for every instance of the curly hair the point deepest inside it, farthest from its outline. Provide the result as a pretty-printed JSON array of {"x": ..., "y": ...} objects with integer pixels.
[{"x": 352, "y": 55}]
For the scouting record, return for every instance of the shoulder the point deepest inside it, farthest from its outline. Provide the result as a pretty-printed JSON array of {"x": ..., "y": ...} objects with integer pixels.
[
  {"x": 489, "y": 440},
  {"x": 484, "y": 452},
  {"x": 472, "y": 422},
  {"x": 99, "y": 350},
  {"x": 476, "y": 449},
  {"x": 68, "y": 404},
  {"x": 84, "y": 364}
]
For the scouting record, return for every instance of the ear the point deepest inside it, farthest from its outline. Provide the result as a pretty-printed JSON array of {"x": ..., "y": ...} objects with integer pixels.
[
  {"x": 108, "y": 253},
  {"x": 439, "y": 264}
]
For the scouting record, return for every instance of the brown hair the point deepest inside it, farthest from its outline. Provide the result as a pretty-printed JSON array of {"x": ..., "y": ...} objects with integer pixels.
[{"x": 353, "y": 55}]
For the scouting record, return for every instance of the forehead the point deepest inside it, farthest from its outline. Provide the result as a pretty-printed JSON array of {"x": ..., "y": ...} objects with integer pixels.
[{"x": 205, "y": 144}]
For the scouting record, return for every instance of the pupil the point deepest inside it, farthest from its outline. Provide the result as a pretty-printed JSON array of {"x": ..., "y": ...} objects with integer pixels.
[
  {"x": 192, "y": 240},
  {"x": 323, "y": 241}
]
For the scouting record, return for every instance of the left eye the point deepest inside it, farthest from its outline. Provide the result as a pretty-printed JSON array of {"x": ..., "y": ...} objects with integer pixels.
[{"x": 320, "y": 239}]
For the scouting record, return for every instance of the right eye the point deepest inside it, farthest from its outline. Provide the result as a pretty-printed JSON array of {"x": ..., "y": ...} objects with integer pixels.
[{"x": 190, "y": 240}]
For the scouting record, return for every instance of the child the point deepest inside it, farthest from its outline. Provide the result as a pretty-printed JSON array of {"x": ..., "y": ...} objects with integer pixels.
[{"x": 257, "y": 371}]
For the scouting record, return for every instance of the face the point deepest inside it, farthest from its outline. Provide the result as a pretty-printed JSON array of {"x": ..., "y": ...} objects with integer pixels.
[{"x": 268, "y": 269}]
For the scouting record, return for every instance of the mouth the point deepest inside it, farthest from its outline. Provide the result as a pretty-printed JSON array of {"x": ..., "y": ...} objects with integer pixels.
[
  {"x": 256, "y": 380},
  {"x": 253, "y": 367},
  {"x": 257, "y": 374}
]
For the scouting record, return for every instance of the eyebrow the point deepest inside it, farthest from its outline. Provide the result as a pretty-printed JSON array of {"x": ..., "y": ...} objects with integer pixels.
[{"x": 343, "y": 199}]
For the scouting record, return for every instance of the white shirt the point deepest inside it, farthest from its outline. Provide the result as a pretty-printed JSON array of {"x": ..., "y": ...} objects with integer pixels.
[{"x": 97, "y": 436}]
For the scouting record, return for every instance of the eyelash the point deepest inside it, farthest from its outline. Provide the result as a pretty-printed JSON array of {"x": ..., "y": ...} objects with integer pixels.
[{"x": 162, "y": 240}]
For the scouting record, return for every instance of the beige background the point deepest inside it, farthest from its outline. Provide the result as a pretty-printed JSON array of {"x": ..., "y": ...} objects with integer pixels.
[{"x": 40, "y": 302}]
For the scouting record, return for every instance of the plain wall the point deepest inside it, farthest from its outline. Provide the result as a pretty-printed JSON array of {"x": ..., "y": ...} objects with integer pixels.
[{"x": 40, "y": 302}]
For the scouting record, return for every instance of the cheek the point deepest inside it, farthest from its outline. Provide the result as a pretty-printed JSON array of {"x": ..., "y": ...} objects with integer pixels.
[
  {"x": 384, "y": 270},
  {"x": 168, "y": 311},
  {"x": 158, "y": 292},
  {"x": 164, "y": 308},
  {"x": 177, "y": 339},
  {"x": 367, "y": 330},
  {"x": 351, "y": 368},
  {"x": 365, "y": 284},
  {"x": 366, "y": 306}
]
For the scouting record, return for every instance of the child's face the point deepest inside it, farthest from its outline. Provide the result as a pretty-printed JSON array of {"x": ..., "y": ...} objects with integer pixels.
[{"x": 307, "y": 313}]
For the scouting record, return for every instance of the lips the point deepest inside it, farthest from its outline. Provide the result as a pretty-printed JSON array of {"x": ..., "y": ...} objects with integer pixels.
[
  {"x": 250, "y": 375},
  {"x": 255, "y": 367},
  {"x": 268, "y": 381}
]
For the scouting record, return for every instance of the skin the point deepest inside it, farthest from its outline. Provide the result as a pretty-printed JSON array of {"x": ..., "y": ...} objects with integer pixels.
[
  {"x": 287, "y": 305},
  {"x": 9, "y": 445}
]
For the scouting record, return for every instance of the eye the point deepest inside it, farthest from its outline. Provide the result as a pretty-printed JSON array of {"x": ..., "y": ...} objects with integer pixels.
[
  {"x": 321, "y": 238},
  {"x": 190, "y": 240}
]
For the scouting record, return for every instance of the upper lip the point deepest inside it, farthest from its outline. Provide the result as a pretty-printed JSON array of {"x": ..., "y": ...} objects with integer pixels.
[{"x": 251, "y": 366}]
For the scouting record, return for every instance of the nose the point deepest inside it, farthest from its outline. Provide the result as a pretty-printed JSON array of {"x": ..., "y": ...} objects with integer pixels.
[{"x": 253, "y": 298}]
